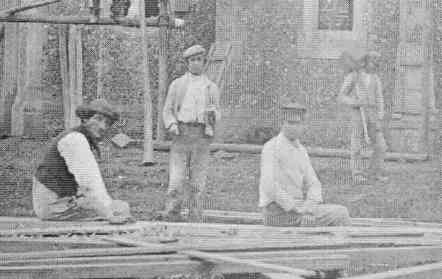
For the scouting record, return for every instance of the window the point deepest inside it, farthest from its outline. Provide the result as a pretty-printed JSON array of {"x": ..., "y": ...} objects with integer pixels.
[
  {"x": 152, "y": 7},
  {"x": 331, "y": 26},
  {"x": 335, "y": 15}
]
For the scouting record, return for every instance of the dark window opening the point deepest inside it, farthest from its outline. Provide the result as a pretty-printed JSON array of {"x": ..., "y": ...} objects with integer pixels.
[
  {"x": 152, "y": 7},
  {"x": 335, "y": 15}
]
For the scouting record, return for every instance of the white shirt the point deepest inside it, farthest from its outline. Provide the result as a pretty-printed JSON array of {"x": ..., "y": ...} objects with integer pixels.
[
  {"x": 80, "y": 160},
  {"x": 286, "y": 173},
  {"x": 195, "y": 101}
]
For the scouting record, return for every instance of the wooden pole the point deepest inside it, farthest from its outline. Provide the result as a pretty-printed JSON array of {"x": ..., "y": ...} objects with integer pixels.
[
  {"x": 162, "y": 65},
  {"x": 8, "y": 84},
  {"x": 71, "y": 63},
  {"x": 21, "y": 8},
  {"x": 100, "y": 64},
  {"x": 148, "y": 141},
  {"x": 127, "y": 22}
]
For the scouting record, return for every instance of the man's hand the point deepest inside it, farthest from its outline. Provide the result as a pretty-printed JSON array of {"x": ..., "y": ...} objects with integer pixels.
[
  {"x": 173, "y": 129},
  {"x": 379, "y": 125},
  {"x": 305, "y": 207},
  {"x": 119, "y": 220}
]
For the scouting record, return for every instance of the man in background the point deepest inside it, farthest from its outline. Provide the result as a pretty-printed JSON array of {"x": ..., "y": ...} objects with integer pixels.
[{"x": 362, "y": 92}]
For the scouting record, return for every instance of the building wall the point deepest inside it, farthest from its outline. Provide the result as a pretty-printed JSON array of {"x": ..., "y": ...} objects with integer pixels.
[{"x": 271, "y": 35}]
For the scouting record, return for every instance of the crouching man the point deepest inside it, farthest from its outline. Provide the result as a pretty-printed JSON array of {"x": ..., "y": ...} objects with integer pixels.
[
  {"x": 68, "y": 185},
  {"x": 289, "y": 190}
]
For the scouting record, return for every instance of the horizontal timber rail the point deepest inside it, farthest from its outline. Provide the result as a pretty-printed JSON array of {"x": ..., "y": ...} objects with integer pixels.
[
  {"x": 127, "y": 22},
  {"x": 313, "y": 151}
]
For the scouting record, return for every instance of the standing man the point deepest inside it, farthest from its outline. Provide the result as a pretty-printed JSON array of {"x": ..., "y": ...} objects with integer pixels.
[
  {"x": 190, "y": 112},
  {"x": 290, "y": 193},
  {"x": 68, "y": 185},
  {"x": 362, "y": 92}
]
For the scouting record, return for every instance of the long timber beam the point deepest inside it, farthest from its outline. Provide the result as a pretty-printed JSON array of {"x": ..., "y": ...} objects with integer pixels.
[{"x": 127, "y": 22}]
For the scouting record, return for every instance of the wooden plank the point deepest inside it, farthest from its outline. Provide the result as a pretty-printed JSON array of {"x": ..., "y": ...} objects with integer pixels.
[
  {"x": 95, "y": 260},
  {"x": 274, "y": 275},
  {"x": 224, "y": 231},
  {"x": 32, "y": 5},
  {"x": 360, "y": 258},
  {"x": 244, "y": 217},
  {"x": 90, "y": 252},
  {"x": 219, "y": 258},
  {"x": 428, "y": 271},
  {"x": 112, "y": 270},
  {"x": 237, "y": 243}
]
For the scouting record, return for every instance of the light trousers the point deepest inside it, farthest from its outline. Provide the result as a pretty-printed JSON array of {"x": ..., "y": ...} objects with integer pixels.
[
  {"x": 188, "y": 164},
  {"x": 322, "y": 215}
]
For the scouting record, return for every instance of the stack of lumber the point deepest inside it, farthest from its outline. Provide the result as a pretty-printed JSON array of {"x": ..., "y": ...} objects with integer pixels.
[{"x": 148, "y": 249}]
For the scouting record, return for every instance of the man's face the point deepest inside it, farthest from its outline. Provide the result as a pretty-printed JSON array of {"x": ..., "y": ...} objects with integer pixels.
[
  {"x": 293, "y": 130},
  {"x": 196, "y": 64},
  {"x": 370, "y": 65},
  {"x": 98, "y": 125}
]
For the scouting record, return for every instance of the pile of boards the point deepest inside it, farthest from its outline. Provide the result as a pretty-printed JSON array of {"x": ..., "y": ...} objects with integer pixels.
[{"x": 373, "y": 248}]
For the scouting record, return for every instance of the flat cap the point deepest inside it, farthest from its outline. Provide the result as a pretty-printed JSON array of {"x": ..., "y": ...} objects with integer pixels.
[
  {"x": 193, "y": 50},
  {"x": 86, "y": 111},
  {"x": 293, "y": 111}
]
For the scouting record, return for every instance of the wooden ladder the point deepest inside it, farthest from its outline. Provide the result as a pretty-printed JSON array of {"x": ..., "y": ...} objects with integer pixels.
[{"x": 219, "y": 58}]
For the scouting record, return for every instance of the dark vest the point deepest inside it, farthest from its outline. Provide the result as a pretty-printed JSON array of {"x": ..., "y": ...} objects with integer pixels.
[{"x": 53, "y": 172}]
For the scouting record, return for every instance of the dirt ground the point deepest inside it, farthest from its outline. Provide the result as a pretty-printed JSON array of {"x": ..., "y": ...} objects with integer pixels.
[{"x": 413, "y": 191}]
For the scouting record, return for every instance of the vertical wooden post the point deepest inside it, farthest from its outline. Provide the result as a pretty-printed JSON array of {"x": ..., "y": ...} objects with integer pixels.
[
  {"x": 9, "y": 80},
  {"x": 71, "y": 64},
  {"x": 163, "y": 64},
  {"x": 148, "y": 141},
  {"x": 100, "y": 63},
  {"x": 31, "y": 39}
]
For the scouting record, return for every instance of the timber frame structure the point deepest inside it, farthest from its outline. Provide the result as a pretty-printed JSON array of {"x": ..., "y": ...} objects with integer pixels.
[
  {"x": 390, "y": 247},
  {"x": 164, "y": 21}
]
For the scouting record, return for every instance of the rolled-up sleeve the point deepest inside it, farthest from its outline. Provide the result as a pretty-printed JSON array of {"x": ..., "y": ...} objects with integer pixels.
[
  {"x": 80, "y": 160},
  {"x": 169, "y": 117},
  {"x": 379, "y": 99}
]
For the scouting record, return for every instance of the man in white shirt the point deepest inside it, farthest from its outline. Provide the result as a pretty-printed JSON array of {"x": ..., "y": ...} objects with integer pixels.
[
  {"x": 190, "y": 113},
  {"x": 67, "y": 184},
  {"x": 289, "y": 190}
]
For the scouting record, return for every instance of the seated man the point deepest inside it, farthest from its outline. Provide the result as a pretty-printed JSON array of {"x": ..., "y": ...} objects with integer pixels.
[
  {"x": 68, "y": 185},
  {"x": 289, "y": 190}
]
